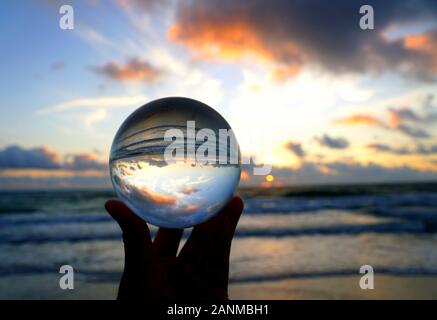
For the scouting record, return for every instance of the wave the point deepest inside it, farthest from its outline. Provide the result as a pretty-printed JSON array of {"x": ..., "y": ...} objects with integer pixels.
[
  {"x": 333, "y": 273},
  {"x": 115, "y": 275},
  {"x": 83, "y": 202},
  {"x": 368, "y": 203},
  {"x": 388, "y": 227},
  {"x": 387, "y": 201},
  {"x": 315, "y": 191}
]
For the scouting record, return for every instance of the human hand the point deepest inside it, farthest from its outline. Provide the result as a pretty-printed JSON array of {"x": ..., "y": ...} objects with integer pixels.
[{"x": 153, "y": 271}]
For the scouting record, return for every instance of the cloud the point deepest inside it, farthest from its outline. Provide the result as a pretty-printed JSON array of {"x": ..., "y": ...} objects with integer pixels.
[
  {"x": 398, "y": 116},
  {"x": 404, "y": 119},
  {"x": 15, "y": 157},
  {"x": 405, "y": 114},
  {"x": 360, "y": 119},
  {"x": 94, "y": 37},
  {"x": 426, "y": 44},
  {"x": 427, "y": 150},
  {"x": 85, "y": 161},
  {"x": 375, "y": 172},
  {"x": 56, "y": 66},
  {"x": 93, "y": 110},
  {"x": 42, "y": 168},
  {"x": 292, "y": 34},
  {"x": 158, "y": 199},
  {"x": 420, "y": 149},
  {"x": 333, "y": 143},
  {"x": 145, "y": 5},
  {"x": 413, "y": 132},
  {"x": 189, "y": 190},
  {"x": 101, "y": 102},
  {"x": 46, "y": 180},
  {"x": 386, "y": 148},
  {"x": 296, "y": 149},
  {"x": 316, "y": 173},
  {"x": 93, "y": 117},
  {"x": 133, "y": 70}
]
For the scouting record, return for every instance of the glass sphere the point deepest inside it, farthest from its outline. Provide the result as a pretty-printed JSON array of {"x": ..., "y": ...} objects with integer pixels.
[{"x": 175, "y": 162}]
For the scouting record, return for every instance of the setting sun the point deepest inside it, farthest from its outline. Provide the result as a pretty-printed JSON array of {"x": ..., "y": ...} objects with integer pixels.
[{"x": 270, "y": 178}]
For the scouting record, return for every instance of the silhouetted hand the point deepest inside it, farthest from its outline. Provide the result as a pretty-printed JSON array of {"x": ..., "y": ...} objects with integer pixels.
[{"x": 152, "y": 270}]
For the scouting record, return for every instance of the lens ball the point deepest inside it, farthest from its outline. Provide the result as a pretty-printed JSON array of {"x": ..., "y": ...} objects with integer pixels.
[{"x": 175, "y": 162}]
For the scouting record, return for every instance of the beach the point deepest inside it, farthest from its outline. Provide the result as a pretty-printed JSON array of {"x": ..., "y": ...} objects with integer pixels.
[
  {"x": 340, "y": 287},
  {"x": 298, "y": 246}
]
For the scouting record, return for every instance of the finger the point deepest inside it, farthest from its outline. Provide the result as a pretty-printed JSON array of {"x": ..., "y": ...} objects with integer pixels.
[
  {"x": 219, "y": 229},
  {"x": 136, "y": 234},
  {"x": 205, "y": 255},
  {"x": 234, "y": 214},
  {"x": 221, "y": 232},
  {"x": 166, "y": 243}
]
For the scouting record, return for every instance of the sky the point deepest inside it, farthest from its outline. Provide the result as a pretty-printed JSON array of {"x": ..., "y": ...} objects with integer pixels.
[{"x": 304, "y": 88}]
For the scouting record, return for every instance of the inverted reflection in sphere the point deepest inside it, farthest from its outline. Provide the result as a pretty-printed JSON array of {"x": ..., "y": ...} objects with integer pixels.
[{"x": 175, "y": 162}]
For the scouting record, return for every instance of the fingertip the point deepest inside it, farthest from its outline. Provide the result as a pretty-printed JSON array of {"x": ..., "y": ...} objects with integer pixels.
[
  {"x": 237, "y": 204},
  {"x": 116, "y": 209},
  {"x": 235, "y": 208},
  {"x": 111, "y": 205},
  {"x": 125, "y": 217}
]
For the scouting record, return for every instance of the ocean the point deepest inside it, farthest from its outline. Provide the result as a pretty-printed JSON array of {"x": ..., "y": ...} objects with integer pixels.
[{"x": 285, "y": 235}]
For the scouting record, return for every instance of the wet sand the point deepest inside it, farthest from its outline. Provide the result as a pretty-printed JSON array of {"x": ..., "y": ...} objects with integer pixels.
[{"x": 337, "y": 287}]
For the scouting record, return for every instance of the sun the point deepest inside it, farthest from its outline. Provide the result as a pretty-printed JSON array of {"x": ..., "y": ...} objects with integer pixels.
[{"x": 270, "y": 178}]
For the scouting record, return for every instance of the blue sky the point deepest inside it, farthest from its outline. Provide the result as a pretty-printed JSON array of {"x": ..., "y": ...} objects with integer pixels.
[{"x": 287, "y": 76}]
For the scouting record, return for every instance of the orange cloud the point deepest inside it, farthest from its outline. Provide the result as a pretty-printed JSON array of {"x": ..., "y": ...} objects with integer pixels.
[
  {"x": 398, "y": 119},
  {"x": 415, "y": 41},
  {"x": 189, "y": 190},
  {"x": 394, "y": 120},
  {"x": 234, "y": 41},
  {"x": 50, "y": 173},
  {"x": 50, "y": 153},
  {"x": 424, "y": 43},
  {"x": 133, "y": 70},
  {"x": 228, "y": 42},
  {"x": 191, "y": 207},
  {"x": 284, "y": 72},
  {"x": 84, "y": 161},
  {"x": 364, "y": 119},
  {"x": 287, "y": 35},
  {"x": 159, "y": 198}
]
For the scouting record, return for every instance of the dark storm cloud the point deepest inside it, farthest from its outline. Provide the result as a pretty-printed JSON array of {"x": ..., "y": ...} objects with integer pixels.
[
  {"x": 296, "y": 149},
  {"x": 333, "y": 143},
  {"x": 318, "y": 32},
  {"x": 15, "y": 157}
]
